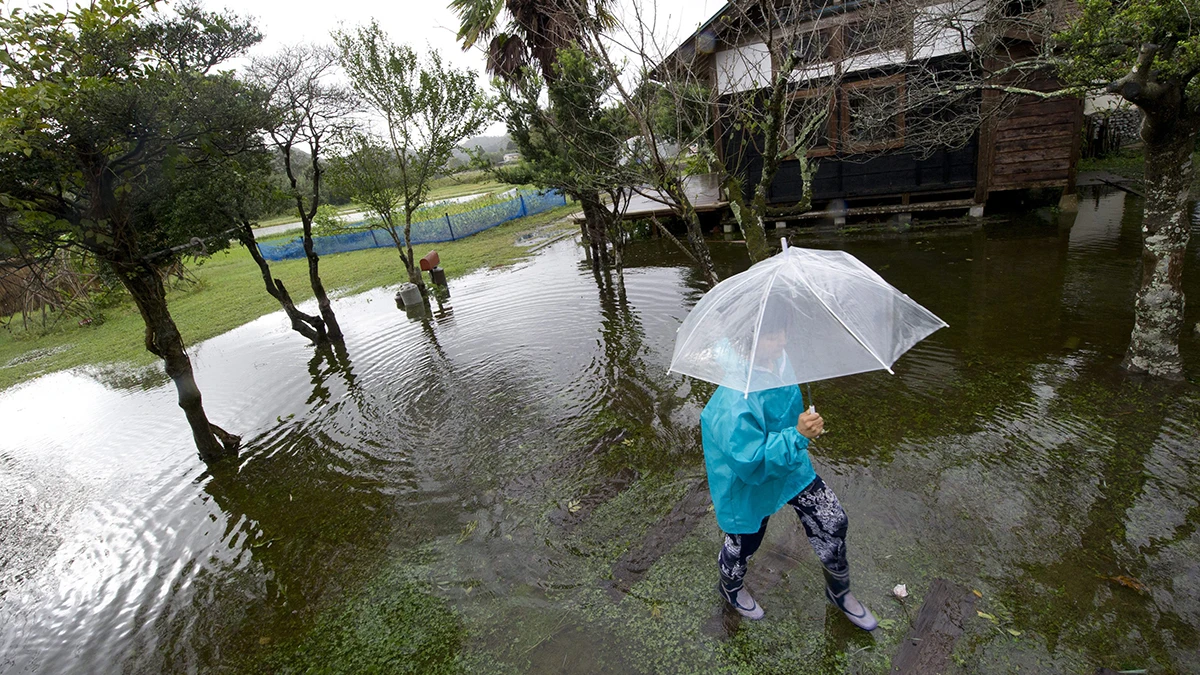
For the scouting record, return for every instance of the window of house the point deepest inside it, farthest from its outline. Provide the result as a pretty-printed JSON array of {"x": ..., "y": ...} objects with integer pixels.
[
  {"x": 809, "y": 118},
  {"x": 813, "y": 46},
  {"x": 1015, "y": 8},
  {"x": 879, "y": 32},
  {"x": 873, "y": 115}
]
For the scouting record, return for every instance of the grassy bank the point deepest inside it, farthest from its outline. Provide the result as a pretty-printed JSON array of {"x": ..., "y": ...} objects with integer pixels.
[
  {"x": 446, "y": 187},
  {"x": 464, "y": 183},
  {"x": 1131, "y": 163},
  {"x": 229, "y": 292}
]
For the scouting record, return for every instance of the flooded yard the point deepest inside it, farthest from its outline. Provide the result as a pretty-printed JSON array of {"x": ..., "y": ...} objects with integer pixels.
[{"x": 516, "y": 484}]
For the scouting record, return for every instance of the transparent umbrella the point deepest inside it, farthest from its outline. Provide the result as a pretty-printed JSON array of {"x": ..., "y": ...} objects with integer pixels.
[{"x": 800, "y": 316}]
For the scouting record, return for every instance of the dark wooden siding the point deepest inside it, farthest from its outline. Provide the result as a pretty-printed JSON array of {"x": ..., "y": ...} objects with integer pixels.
[
  {"x": 1035, "y": 144},
  {"x": 893, "y": 173}
]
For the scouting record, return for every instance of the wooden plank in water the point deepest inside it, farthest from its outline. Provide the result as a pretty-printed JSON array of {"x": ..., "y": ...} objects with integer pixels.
[
  {"x": 884, "y": 209},
  {"x": 926, "y": 649}
]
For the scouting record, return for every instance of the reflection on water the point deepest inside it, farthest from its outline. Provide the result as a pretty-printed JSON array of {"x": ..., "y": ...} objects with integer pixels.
[{"x": 513, "y": 481}]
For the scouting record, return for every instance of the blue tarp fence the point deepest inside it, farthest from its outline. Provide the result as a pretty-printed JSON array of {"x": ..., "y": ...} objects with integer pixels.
[{"x": 432, "y": 231}]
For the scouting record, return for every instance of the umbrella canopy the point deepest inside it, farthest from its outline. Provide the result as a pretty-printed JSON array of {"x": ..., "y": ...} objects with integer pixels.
[{"x": 800, "y": 316}]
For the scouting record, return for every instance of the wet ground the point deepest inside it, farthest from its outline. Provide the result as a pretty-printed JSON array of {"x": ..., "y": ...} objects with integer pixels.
[{"x": 516, "y": 484}]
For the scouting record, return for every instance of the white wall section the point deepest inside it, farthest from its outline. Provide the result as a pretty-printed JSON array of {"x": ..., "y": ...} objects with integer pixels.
[
  {"x": 946, "y": 28},
  {"x": 743, "y": 68}
]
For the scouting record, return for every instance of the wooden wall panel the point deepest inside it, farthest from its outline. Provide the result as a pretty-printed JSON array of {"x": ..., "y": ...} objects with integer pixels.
[{"x": 1035, "y": 144}]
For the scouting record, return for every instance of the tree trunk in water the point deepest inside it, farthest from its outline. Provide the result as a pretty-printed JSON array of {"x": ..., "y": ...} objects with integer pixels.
[
  {"x": 616, "y": 235},
  {"x": 164, "y": 341},
  {"x": 754, "y": 227},
  {"x": 311, "y": 327},
  {"x": 1166, "y": 225},
  {"x": 695, "y": 237},
  {"x": 332, "y": 329},
  {"x": 412, "y": 265},
  {"x": 594, "y": 221},
  {"x": 585, "y": 240},
  {"x": 748, "y": 222}
]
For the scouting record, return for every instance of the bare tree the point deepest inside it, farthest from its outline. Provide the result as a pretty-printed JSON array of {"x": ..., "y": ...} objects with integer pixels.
[
  {"x": 662, "y": 173},
  {"x": 779, "y": 88},
  {"x": 250, "y": 190},
  {"x": 310, "y": 111}
]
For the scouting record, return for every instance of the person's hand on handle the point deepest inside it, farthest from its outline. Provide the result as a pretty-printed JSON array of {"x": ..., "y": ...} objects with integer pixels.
[{"x": 811, "y": 424}]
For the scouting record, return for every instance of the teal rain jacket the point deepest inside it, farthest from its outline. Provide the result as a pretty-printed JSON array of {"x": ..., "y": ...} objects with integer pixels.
[{"x": 756, "y": 459}]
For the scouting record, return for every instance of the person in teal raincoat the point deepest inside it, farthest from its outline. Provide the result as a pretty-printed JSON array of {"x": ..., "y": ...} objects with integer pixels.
[{"x": 756, "y": 455}]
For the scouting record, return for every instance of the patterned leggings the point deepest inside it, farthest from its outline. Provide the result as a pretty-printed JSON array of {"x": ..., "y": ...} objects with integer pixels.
[{"x": 824, "y": 522}]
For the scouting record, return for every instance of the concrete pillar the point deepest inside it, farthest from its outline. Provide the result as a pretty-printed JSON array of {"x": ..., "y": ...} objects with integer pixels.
[
  {"x": 904, "y": 218},
  {"x": 1069, "y": 203},
  {"x": 779, "y": 224},
  {"x": 976, "y": 211},
  {"x": 728, "y": 228},
  {"x": 839, "y": 221}
]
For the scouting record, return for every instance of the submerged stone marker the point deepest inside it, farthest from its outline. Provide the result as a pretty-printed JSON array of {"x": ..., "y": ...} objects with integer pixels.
[
  {"x": 926, "y": 649},
  {"x": 660, "y": 539},
  {"x": 409, "y": 295}
]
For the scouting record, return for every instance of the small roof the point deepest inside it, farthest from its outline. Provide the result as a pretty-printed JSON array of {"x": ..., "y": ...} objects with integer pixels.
[
  {"x": 703, "y": 191},
  {"x": 691, "y": 38}
]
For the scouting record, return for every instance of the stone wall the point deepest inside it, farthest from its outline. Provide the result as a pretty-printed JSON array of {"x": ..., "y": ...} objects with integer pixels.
[
  {"x": 1126, "y": 124},
  {"x": 1109, "y": 130}
]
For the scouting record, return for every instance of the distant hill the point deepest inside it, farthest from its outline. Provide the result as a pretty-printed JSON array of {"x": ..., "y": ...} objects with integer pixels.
[
  {"x": 493, "y": 146},
  {"x": 489, "y": 144}
]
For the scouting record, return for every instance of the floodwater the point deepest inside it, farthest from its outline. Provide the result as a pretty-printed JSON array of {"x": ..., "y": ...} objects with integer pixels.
[{"x": 515, "y": 484}]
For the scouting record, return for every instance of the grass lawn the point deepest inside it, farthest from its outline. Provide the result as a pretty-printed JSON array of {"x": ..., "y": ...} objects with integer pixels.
[
  {"x": 464, "y": 183},
  {"x": 291, "y": 217},
  {"x": 422, "y": 214},
  {"x": 1131, "y": 163},
  {"x": 230, "y": 293},
  {"x": 446, "y": 187}
]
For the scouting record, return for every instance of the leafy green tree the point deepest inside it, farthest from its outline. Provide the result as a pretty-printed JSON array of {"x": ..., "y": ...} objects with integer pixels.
[
  {"x": 575, "y": 144},
  {"x": 1148, "y": 52},
  {"x": 368, "y": 170},
  {"x": 427, "y": 107},
  {"x": 526, "y": 36},
  {"x": 111, "y": 119}
]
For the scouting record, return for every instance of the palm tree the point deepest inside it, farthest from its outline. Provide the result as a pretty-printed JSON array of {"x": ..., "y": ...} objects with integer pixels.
[{"x": 536, "y": 29}]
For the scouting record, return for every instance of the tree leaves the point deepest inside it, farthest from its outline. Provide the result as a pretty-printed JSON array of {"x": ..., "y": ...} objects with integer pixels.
[
  {"x": 97, "y": 124},
  {"x": 1102, "y": 44},
  {"x": 428, "y": 107}
]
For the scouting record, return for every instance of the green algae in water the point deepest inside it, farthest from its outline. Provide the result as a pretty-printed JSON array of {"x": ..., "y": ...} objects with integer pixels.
[{"x": 391, "y": 627}]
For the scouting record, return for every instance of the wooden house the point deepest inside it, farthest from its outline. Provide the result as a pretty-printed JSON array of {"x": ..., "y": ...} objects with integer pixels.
[{"x": 876, "y": 153}]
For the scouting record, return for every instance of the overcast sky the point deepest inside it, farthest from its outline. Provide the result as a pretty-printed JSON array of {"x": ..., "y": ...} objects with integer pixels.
[
  {"x": 419, "y": 23},
  {"x": 416, "y": 22}
]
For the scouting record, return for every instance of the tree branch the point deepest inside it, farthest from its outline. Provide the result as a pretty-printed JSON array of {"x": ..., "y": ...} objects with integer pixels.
[{"x": 1140, "y": 86}]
